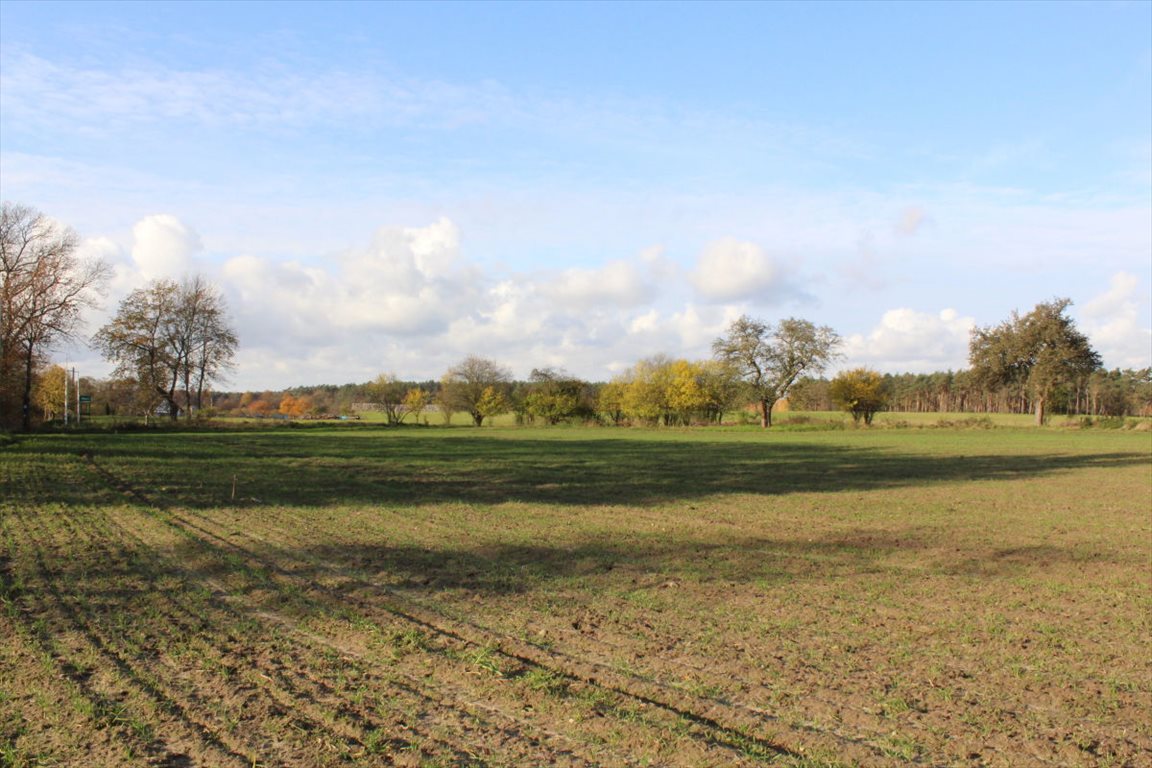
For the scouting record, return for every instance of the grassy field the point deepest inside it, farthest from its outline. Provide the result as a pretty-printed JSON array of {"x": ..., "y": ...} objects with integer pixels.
[{"x": 320, "y": 596}]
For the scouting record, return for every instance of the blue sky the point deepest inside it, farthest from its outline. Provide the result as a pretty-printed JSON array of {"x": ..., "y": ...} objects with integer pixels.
[{"x": 390, "y": 187}]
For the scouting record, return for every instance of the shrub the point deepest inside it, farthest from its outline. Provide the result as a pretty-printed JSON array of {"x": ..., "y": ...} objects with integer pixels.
[
  {"x": 968, "y": 422},
  {"x": 861, "y": 392}
]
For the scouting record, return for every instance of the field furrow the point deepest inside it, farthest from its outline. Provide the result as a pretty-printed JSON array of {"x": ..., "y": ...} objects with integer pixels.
[
  {"x": 399, "y": 598},
  {"x": 721, "y": 720},
  {"x": 357, "y": 603}
]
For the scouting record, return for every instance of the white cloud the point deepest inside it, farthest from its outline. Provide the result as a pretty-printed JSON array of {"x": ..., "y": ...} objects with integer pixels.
[
  {"x": 736, "y": 270},
  {"x": 645, "y": 323},
  {"x": 1112, "y": 322},
  {"x": 103, "y": 248},
  {"x": 411, "y": 303},
  {"x": 685, "y": 332},
  {"x": 409, "y": 281},
  {"x": 912, "y": 341},
  {"x": 618, "y": 284},
  {"x": 1118, "y": 299},
  {"x": 435, "y": 248},
  {"x": 410, "y": 300},
  {"x": 163, "y": 247}
]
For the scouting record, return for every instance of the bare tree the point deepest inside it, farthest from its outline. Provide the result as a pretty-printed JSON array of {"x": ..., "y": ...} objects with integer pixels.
[
  {"x": 208, "y": 342},
  {"x": 44, "y": 289},
  {"x": 167, "y": 335},
  {"x": 771, "y": 359}
]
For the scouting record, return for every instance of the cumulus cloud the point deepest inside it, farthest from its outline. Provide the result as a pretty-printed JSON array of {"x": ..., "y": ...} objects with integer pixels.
[
  {"x": 1112, "y": 322},
  {"x": 164, "y": 247},
  {"x": 407, "y": 281},
  {"x": 102, "y": 248},
  {"x": 619, "y": 284},
  {"x": 697, "y": 328},
  {"x": 647, "y": 322},
  {"x": 738, "y": 270},
  {"x": 409, "y": 301},
  {"x": 684, "y": 332},
  {"x": 908, "y": 340},
  {"x": 435, "y": 248}
]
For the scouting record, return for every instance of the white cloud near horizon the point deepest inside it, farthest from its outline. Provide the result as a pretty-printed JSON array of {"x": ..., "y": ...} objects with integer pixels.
[
  {"x": 619, "y": 283},
  {"x": 406, "y": 282},
  {"x": 909, "y": 341},
  {"x": 731, "y": 270},
  {"x": 409, "y": 300},
  {"x": 1112, "y": 323}
]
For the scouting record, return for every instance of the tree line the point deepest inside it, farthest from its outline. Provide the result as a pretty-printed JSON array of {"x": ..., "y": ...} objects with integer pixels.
[
  {"x": 550, "y": 397},
  {"x": 172, "y": 345},
  {"x": 1115, "y": 392},
  {"x": 753, "y": 360},
  {"x": 754, "y": 365}
]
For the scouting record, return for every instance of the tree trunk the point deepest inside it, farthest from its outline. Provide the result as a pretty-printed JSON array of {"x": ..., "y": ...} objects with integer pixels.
[
  {"x": 1040, "y": 411},
  {"x": 169, "y": 398},
  {"x": 766, "y": 413},
  {"x": 26, "y": 400}
]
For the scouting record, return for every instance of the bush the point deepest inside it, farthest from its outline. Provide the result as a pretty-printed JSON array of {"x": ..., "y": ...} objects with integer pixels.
[
  {"x": 861, "y": 392},
  {"x": 1104, "y": 422},
  {"x": 807, "y": 424},
  {"x": 1110, "y": 422},
  {"x": 969, "y": 422}
]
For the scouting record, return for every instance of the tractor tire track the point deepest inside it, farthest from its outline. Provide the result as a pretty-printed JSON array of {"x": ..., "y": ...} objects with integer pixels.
[
  {"x": 717, "y": 723},
  {"x": 444, "y": 699}
]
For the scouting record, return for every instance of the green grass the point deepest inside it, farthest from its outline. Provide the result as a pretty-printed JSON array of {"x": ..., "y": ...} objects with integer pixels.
[{"x": 576, "y": 466}]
